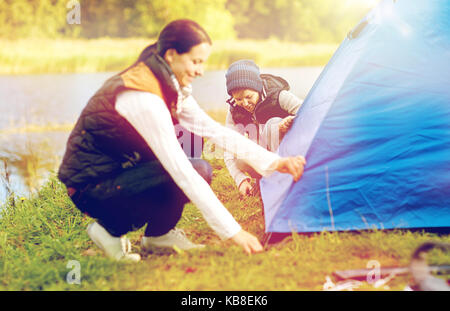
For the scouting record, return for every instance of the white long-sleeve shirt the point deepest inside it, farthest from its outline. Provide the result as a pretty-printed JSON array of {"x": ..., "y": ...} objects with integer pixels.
[
  {"x": 149, "y": 115},
  {"x": 288, "y": 102}
]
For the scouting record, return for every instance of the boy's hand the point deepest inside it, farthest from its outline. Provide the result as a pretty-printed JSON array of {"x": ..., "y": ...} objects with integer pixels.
[
  {"x": 291, "y": 165},
  {"x": 247, "y": 241},
  {"x": 285, "y": 125}
]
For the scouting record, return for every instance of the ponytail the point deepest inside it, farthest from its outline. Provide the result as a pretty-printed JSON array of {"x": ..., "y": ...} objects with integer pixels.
[
  {"x": 181, "y": 35},
  {"x": 151, "y": 49}
]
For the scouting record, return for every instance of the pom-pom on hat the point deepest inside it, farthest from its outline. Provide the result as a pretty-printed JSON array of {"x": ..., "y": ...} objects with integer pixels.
[{"x": 243, "y": 74}]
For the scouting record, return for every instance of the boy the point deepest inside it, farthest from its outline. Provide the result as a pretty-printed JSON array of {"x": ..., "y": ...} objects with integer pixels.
[{"x": 260, "y": 106}]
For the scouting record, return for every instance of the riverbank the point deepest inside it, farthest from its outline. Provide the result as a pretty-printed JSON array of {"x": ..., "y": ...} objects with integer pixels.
[
  {"x": 43, "y": 241},
  {"x": 31, "y": 151},
  {"x": 108, "y": 55}
]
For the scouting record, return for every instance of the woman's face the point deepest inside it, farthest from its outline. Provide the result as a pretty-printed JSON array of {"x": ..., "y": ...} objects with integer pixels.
[
  {"x": 189, "y": 65},
  {"x": 246, "y": 98}
]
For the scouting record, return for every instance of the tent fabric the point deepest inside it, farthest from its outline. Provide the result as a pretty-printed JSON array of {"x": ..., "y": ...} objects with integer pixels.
[{"x": 375, "y": 130}]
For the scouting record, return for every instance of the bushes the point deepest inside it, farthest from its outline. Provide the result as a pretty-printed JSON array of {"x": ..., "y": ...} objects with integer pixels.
[{"x": 292, "y": 20}]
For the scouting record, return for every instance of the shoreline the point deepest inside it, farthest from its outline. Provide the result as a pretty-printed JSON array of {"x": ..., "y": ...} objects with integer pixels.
[{"x": 18, "y": 57}]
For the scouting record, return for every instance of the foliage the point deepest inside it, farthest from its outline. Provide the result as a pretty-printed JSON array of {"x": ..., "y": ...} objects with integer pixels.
[
  {"x": 296, "y": 20},
  {"x": 113, "y": 18},
  {"x": 35, "y": 19},
  {"x": 293, "y": 20}
]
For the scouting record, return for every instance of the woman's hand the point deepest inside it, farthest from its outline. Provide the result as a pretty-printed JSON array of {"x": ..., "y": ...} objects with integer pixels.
[
  {"x": 247, "y": 241},
  {"x": 291, "y": 165},
  {"x": 245, "y": 188}
]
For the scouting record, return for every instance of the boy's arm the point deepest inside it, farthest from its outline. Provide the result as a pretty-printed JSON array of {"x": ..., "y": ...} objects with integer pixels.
[{"x": 289, "y": 102}]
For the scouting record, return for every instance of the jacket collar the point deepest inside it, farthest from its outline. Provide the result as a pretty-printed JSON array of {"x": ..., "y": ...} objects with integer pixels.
[{"x": 169, "y": 82}]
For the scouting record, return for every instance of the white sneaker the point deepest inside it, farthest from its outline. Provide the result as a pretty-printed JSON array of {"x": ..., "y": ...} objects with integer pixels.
[
  {"x": 126, "y": 248},
  {"x": 116, "y": 248},
  {"x": 175, "y": 237}
]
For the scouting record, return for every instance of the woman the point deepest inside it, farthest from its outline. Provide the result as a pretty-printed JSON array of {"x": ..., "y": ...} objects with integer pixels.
[
  {"x": 124, "y": 165},
  {"x": 261, "y": 106}
]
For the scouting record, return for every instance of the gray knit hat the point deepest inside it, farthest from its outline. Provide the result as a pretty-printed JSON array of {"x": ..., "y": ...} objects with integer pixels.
[{"x": 243, "y": 74}]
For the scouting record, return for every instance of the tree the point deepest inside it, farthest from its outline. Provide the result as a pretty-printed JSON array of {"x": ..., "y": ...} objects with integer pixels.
[
  {"x": 211, "y": 14},
  {"x": 295, "y": 20}
]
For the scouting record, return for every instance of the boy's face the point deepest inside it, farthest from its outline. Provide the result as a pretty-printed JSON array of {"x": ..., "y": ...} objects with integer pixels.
[{"x": 246, "y": 98}]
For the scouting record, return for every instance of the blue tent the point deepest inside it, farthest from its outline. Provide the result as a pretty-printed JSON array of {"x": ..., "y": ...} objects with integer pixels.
[{"x": 375, "y": 130}]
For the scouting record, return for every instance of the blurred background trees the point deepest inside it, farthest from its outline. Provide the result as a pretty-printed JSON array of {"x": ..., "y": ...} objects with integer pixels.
[{"x": 286, "y": 20}]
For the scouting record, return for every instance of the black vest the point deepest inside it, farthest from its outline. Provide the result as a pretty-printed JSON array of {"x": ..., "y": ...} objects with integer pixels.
[
  {"x": 266, "y": 109},
  {"x": 102, "y": 141}
]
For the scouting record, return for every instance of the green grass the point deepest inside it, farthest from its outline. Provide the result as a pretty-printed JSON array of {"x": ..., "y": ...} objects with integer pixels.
[
  {"x": 42, "y": 233},
  {"x": 102, "y": 55}
]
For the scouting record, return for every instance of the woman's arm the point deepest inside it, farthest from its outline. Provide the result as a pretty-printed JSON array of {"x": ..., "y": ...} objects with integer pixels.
[
  {"x": 149, "y": 115},
  {"x": 289, "y": 102},
  {"x": 194, "y": 119}
]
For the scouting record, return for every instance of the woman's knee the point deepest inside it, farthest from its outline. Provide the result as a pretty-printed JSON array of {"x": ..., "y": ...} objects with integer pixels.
[
  {"x": 164, "y": 218},
  {"x": 203, "y": 168}
]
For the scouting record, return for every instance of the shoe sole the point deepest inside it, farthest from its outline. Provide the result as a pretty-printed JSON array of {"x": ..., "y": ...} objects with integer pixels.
[
  {"x": 127, "y": 257},
  {"x": 155, "y": 247}
]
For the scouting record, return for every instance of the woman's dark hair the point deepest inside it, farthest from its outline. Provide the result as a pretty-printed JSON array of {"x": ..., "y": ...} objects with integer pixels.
[{"x": 181, "y": 35}]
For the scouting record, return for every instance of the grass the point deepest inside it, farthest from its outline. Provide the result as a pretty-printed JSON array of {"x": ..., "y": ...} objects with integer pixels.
[
  {"x": 103, "y": 55},
  {"x": 42, "y": 233}
]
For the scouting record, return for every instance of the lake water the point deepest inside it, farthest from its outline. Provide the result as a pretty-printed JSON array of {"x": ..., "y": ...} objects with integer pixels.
[{"x": 37, "y": 110}]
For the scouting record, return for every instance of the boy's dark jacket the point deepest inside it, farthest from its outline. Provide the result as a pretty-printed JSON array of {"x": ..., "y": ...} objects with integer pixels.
[{"x": 266, "y": 109}]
